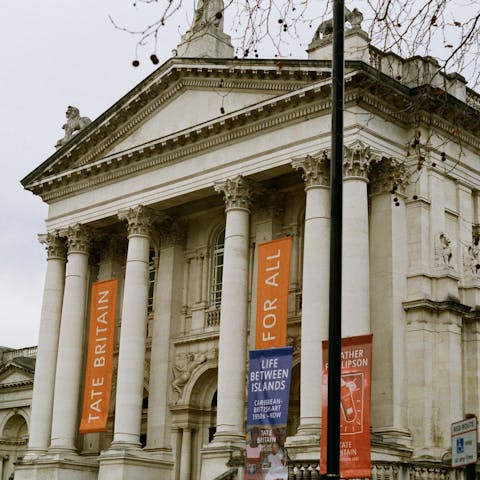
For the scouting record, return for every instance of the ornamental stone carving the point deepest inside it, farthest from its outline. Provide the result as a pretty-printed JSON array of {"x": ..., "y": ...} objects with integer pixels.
[
  {"x": 185, "y": 365},
  {"x": 173, "y": 231},
  {"x": 140, "y": 220},
  {"x": 388, "y": 175},
  {"x": 270, "y": 205},
  {"x": 238, "y": 192},
  {"x": 357, "y": 158},
  {"x": 54, "y": 244},
  {"x": 471, "y": 260},
  {"x": 78, "y": 237},
  {"x": 315, "y": 169},
  {"x": 74, "y": 124},
  {"x": 443, "y": 251}
]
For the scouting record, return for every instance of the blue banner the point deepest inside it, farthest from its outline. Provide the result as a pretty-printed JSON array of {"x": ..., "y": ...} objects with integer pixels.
[{"x": 268, "y": 394}]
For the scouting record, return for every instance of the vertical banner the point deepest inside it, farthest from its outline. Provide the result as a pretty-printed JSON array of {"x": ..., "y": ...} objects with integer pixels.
[
  {"x": 99, "y": 366},
  {"x": 272, "y": 293},
  {"x": 268, "y": 395},
  {"x": 355, "y": 389}
]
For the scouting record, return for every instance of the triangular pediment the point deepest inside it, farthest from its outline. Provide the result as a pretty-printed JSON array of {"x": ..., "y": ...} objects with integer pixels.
[
  {"x": 182, "y": 94},
  {"x": 14, "y": 374}
]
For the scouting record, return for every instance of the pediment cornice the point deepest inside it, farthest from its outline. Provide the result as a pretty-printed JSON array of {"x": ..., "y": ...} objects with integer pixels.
[
  {"x": 72, "y": 172},
  {"x": 162, "y": 85}
]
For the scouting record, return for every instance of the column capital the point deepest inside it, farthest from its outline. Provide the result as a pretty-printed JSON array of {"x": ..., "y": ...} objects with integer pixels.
[
  {"x": 173, "y": 231},
  {"x": 140, "y": 220},
  {"x": 54, "y": 244},
  {"x": 388, "y": 175},
  {"x": 271, "y": 204},
  {"x": 78, "y": 237},
  {"x": 238, "y": 192},
  {"x": 110, "y": 246},
  {"x": 316, "y": 169},
  {"x": 357, "y": 158}
]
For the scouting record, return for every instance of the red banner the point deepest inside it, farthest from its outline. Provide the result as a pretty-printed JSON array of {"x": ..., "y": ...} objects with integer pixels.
[
  {"x": 355, "y": 389},
  {"x": 99, "y": 367},
  {"x": 272, "y": 293}
]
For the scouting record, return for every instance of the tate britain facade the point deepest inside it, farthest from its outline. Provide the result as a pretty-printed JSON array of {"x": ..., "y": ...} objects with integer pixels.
[{"x": 167, "y": 196}]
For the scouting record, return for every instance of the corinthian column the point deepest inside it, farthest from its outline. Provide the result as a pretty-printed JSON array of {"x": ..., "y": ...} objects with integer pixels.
[
  {"x": 356, "y": 257},
  {"x": 70, "y": 348},
  {"x": 43, "y": 387},
  {"x": 234, "y": 312},
  {"x": 315, "y": 288},
  {"x": 168, "y": 306},
  {"x": 133, "y": 333}
]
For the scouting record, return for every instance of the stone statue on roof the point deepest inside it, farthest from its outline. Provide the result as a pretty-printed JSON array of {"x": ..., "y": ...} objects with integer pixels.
[
  {"x": 74, "y": 123},
  {"x": 208, "y": 16},
  {"x": 206, "y": 37}
]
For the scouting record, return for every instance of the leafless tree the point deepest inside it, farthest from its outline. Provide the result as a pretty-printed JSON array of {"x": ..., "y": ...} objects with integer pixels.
[{"x": 448, "y": 30}]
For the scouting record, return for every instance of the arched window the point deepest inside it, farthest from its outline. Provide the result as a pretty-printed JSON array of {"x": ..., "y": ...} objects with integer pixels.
[{"x": 217, "y": 269}]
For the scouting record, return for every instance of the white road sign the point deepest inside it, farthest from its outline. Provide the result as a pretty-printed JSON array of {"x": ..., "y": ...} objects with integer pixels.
[{"x": 464, "y": 442}]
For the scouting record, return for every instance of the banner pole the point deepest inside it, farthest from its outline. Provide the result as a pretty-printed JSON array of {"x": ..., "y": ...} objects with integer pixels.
[{"x": 335, "y": 295}]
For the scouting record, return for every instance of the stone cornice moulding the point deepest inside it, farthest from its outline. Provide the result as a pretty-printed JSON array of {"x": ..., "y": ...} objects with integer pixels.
[
  {"x": 176, "y": 70},
  {"x": 220, "y": 129},
  {"x": 247, "y": 121}
]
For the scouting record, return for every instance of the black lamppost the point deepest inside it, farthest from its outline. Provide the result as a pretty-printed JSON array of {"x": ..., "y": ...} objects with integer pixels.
[{"x": 335, "y": 295}]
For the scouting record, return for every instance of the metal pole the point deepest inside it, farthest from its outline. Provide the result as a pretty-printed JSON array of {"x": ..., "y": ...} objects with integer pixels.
[{"x": 335, "y": 295}]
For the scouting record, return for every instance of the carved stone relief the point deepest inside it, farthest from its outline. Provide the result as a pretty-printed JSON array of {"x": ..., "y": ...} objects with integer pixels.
[
  {"x": 443, "y": 251},
  {"x": 185, "y": 365}
]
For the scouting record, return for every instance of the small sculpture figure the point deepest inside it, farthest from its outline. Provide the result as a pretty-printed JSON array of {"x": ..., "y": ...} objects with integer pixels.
[
  {"x": 472, "y": 259},
  {"x": 74, "y": 123},
  {"x": 444, "y": 253},
  {"x": 354, "y": 17}
]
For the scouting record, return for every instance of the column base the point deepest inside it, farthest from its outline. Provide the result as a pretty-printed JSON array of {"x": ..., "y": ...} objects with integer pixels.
[
  {"x": 392, "y": 436},
  {"x": 58, "y": 467},
  {"x": 216, "y": 459},
  {"x": 129, "y": 464},
  {"x": 228, "y": 440},
  {"x": 305, "y": 444}
]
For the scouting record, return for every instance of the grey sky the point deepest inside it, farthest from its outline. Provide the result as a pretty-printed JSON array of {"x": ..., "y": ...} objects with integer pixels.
[{"x": 54, "y": 53}]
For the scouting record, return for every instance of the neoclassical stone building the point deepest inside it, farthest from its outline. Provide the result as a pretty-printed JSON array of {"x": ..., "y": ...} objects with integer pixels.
[
  {"x": 16, "y": 383},
  {"x": 171, "y": 190}
]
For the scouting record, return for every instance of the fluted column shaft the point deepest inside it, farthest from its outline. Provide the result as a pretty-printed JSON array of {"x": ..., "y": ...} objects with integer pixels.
[
  {"x": 356, "y": 250},
  {"x": 70, "y": 348},
  {"x": 234, "y": 312},
  {"x": 168, "y": 306},
  {"x": 46, "y": 362},
  {"x": 133, "y": 333},
  {"x": 315, "y": 288}
]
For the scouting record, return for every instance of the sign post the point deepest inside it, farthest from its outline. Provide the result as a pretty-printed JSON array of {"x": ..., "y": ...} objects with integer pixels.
[{"x": 464, "y": 444}]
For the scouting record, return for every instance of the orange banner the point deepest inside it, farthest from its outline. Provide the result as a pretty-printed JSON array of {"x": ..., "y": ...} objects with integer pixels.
[
  {"x": 272, "y": 293},
  {"x": 355, "y": 390},
  {"x": 98, "y": 376}
]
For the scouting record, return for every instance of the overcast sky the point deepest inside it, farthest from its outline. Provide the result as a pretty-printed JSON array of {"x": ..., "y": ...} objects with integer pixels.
[
  {"x": 56, "y": 53},
  {"x": 53, "y": 53}
]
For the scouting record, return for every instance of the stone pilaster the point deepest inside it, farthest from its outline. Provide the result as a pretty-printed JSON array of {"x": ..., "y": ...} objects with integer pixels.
[
  {"x": 70, "y": 348},
  {"x": 356, "y": 263},
  {"x": 168, "y": 307},
  {"x": 315, "y": 287},
  {"x": 388, "y": 286},
  {"x": 46, "y": 362},
  {"x": 238, "y": 194},
  {"x": 133, "y": 333},
  {"x": 186, "y": 454}
]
